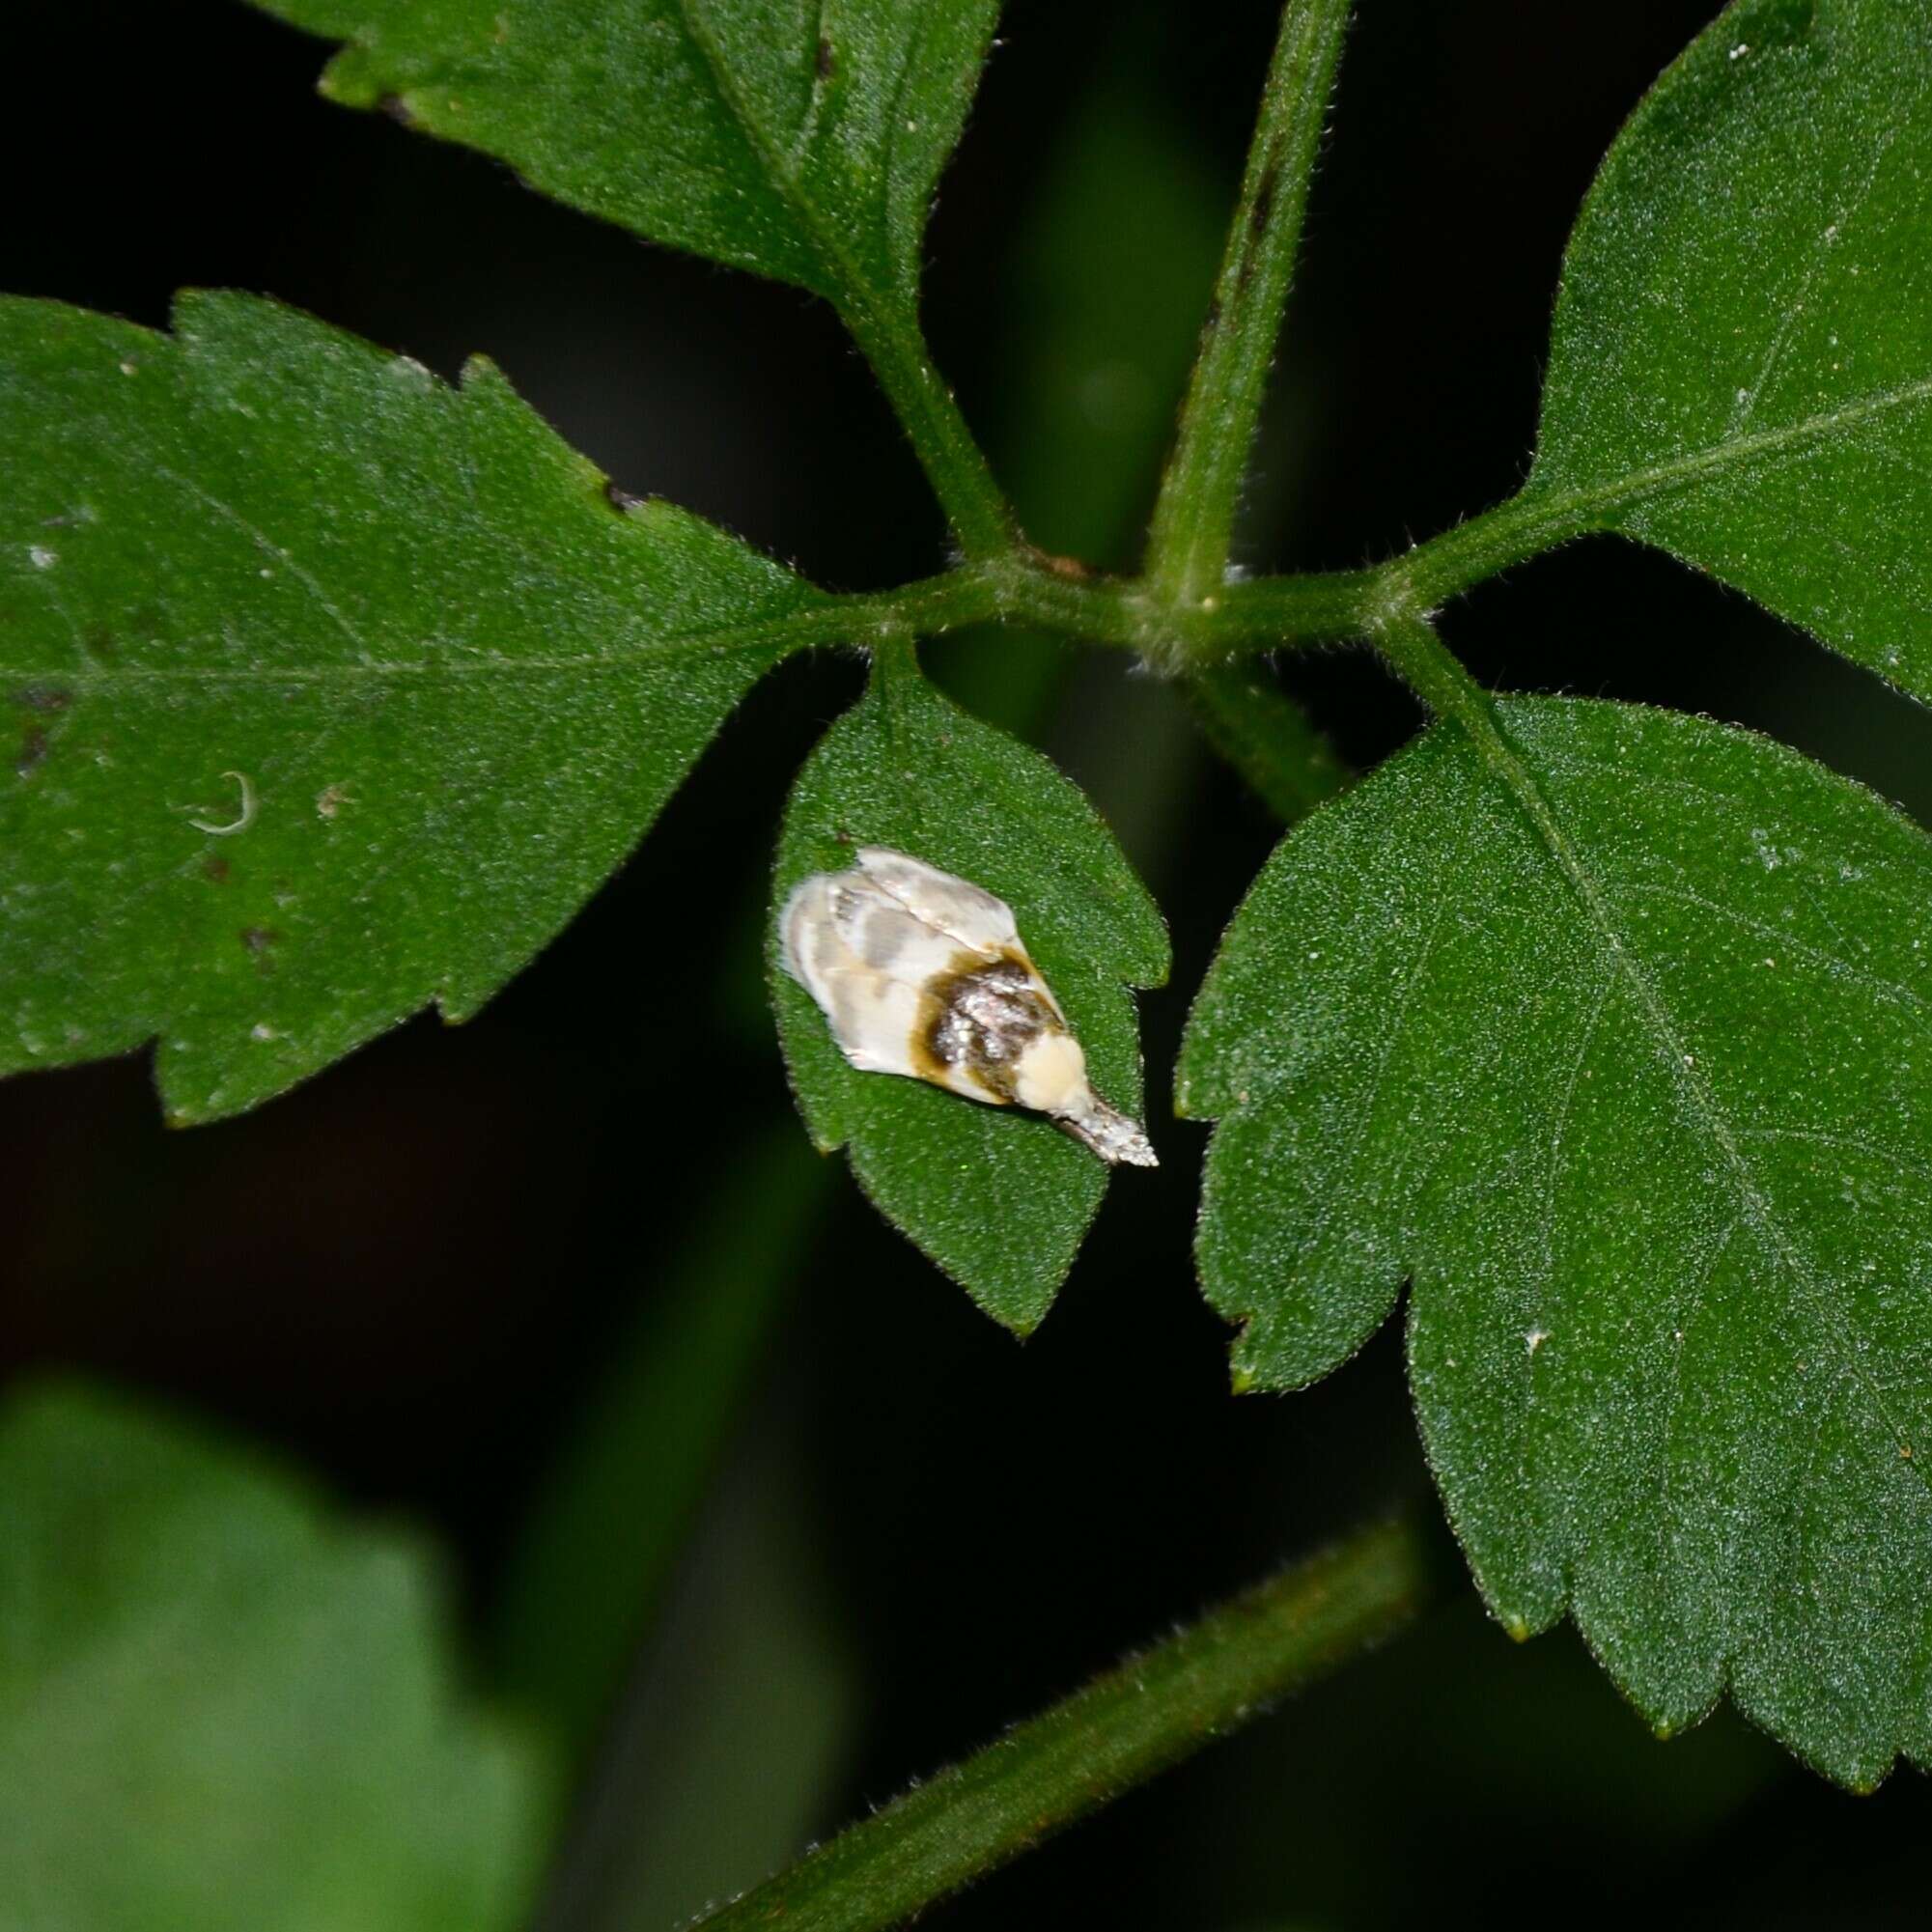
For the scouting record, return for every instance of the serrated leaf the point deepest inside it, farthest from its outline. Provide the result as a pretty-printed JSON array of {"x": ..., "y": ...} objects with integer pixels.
[
  {"x": 999, "y": 1198},
  {"x": 801, "y": 141},
  {"x": 222, "y": 1711},
  {"x": 1647, "y": 1125},
  {"x": 1740, "y": 367},
  {"x": 332, "y": 690}
]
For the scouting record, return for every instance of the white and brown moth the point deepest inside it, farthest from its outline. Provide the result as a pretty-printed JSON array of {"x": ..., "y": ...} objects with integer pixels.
[{"x": 924, "y": 974}]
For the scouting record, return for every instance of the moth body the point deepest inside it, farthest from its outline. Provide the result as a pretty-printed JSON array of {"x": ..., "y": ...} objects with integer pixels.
[{"x": 924, "y": 974}]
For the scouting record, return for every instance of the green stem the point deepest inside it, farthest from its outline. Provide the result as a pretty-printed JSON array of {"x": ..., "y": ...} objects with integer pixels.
[
  {"x": 1198, "y": 1685},
  {"x": 1263, "y": 614},
  {"x": 1266, "y": 737},
  {"x": 1194, "y": 519},
  {"x": 930, "y": 415},
  {"x": 1357, "y": 604}
]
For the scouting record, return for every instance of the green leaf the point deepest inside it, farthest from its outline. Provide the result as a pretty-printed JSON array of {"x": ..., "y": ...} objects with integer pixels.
[
  {"x": 999, "y": 1198},
  {"x": 1740, "y": 370},
  {"x": 798, "y": 142},
  {"x": 333, "y": 690},
  {"x": 221, "y": 1709},
  {"x": 1640, "y": 1107}
]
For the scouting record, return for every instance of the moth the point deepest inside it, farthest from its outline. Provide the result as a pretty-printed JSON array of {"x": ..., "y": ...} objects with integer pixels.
[{"x": 924, "y": 974}]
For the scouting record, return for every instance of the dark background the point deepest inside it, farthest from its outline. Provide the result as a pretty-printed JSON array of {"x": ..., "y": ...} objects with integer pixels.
[{"x": 411, "y": 1273}]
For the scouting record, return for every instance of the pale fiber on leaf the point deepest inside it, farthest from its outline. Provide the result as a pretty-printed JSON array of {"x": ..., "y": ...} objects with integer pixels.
[
  {"x": 798, "y": 141},
  {"x": 331, "y": 691},
  {"x": 1658, "y": 1170},
  {"x": 1740, "y": 367},
  {"x": 223, "y": 1711},
  {"x": 999, "y": 1198}
]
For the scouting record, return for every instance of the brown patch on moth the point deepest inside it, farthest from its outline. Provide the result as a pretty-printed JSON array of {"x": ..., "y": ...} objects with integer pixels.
[{"x": 977, "y": 1019}]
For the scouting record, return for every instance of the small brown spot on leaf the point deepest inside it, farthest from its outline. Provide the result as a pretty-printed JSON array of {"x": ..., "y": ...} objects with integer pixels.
[
  {"x": 215, "y": 869},
  {"x": 621, "y": 499},
  {"x": 46, "y": 699},
  {"x": 827, "y": 60},
  {"x": 1213, "y": 321},
  {"x": 33, "y": 750}
]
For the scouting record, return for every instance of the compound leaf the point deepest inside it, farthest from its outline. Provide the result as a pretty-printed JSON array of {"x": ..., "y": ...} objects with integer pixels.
[
  {"x": 1741, "y": 368},
  {"x": 999, "y": 1198},
  {"x": 801, "y": 141},
  {"x": 333, "y": 690},
  {"x": 221, "y": 1711},
  {"x": 1640, "y": 1107}
]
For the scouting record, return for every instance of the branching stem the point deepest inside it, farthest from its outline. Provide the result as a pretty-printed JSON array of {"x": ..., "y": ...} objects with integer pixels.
[{"x": 1265, "y": 614}]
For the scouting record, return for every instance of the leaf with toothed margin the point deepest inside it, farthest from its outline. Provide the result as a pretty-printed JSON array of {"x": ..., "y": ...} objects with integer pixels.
[
  {"x": 1741, "y": 363},
  {"x": 332, "y": 690},
  {"x": 800, "y": 142},
  {"x": 1640, "y": 1107},
  {"x": 999, "y": 1198}
]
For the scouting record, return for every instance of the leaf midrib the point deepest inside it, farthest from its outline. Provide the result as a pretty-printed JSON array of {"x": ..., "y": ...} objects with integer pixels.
[
  {"x": 728, "y": 640},
  {"x": 1582, "y": 504},
  {"x": 858, "y": 288},
  {"x": 1700, "y": 1103}
]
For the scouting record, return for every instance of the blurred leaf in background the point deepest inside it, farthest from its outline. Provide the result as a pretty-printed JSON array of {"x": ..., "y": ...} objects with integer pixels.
[{"x": 220, "y": 1708}]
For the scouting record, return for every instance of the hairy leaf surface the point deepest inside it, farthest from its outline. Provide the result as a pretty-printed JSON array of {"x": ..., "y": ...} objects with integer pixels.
[
  {"x": 221, "y": 1711},
  {"x": 331, "y": 691},
  {"x": 1741, "y": 368},
  {"x": 801, "y": 141},
  {"x": 998, "y": 1198},
  {"x": 1647, "y": 1125}
]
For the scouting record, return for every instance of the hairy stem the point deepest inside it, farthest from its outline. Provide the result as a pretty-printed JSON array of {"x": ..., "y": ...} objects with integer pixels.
[
  {"x": 1263, "y": 614},
  {"x": 1358, "y": 604},
  {"x": 1264, "y": 735},
  {"x": 981, "y": 519},
  {"x": 1194, "y": 519},
  {"x": 1160, "y": 1706}
]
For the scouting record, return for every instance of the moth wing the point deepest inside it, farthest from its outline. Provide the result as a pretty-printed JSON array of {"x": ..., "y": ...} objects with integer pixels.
[
  {"x": 967, "y": 914},
  {"x": 881, "y": 932},
  {"x": 865, "y": 960},
  {"x": 873, "y": 1018}
]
